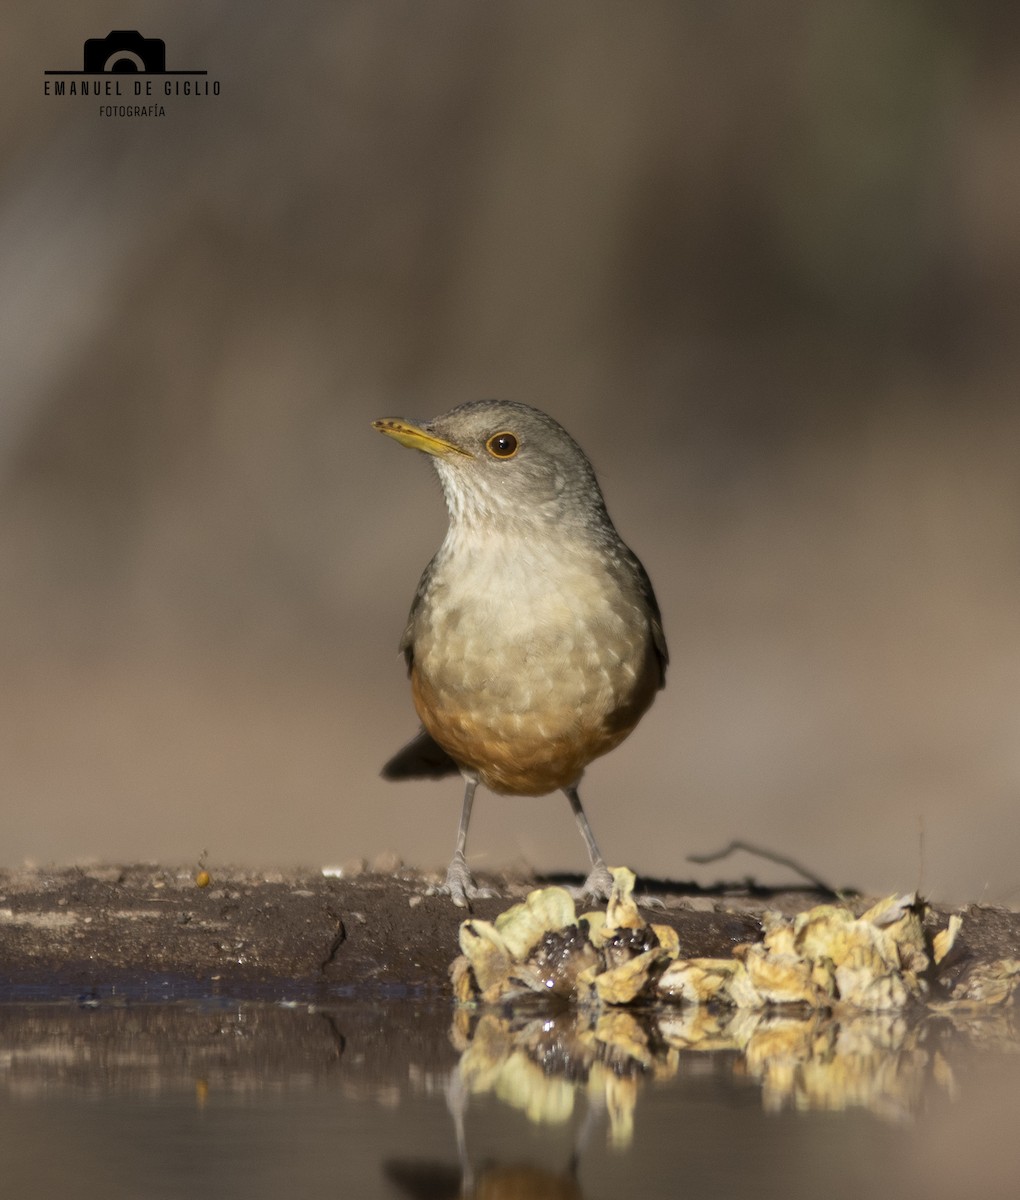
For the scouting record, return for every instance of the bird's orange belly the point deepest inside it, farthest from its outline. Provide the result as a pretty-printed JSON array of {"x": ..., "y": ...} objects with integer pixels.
[{"x": 531, "y": 748}]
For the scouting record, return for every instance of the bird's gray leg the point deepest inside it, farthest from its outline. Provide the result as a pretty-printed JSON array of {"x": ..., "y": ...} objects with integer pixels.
[
  {"x": 459, "y": 885},
  {"x": 599, "y": 883}
]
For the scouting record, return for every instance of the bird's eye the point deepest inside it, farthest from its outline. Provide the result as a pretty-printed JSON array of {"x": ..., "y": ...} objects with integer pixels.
[{"x": 502, "y": 445}]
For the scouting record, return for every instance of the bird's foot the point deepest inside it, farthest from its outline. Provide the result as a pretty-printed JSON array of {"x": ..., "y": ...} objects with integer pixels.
[
  {"x": 459, "y": 885},
  {"x": 597, "y": 887}
]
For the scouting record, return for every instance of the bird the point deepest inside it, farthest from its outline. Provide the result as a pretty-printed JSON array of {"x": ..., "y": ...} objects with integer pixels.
[{"x": 534, "y": 643}]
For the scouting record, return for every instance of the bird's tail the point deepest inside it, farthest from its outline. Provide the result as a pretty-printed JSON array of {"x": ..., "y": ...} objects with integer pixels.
[{"x": 421, "y": 758}]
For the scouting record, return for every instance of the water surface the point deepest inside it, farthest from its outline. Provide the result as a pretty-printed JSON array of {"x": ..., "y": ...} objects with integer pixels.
[{"x": 388, "y": 1098}]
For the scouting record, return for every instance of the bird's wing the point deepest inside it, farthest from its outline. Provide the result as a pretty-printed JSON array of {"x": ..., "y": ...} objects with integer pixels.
[
  {"x": 658, "y": 633},
  {"x": 407, "y": 640},
  {"x": 422, "y": 757},
  {"x": 654, "y": 615}
]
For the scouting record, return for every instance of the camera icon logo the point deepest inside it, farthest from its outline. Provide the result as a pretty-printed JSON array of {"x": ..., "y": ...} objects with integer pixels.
[{"x": 124, "y": 50}]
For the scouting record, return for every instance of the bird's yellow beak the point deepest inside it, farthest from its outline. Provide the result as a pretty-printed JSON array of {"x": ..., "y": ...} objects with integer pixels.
[{"x": 411, "y": 435}]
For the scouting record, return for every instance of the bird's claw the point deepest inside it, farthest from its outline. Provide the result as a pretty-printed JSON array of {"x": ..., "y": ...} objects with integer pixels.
[
  {"x": 597, "y": 887},
  {"x": 460, "y": 887}
]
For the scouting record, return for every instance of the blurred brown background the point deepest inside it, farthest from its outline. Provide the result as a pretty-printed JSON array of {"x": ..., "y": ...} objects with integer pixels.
[{"x": 761, "y": 260}]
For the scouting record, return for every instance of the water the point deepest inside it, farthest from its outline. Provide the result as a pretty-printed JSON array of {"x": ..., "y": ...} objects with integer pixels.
[{"x": 401, "y": 1098}]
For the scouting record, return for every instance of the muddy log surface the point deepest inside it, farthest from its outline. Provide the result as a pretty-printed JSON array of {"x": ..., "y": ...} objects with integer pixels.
[{"x": 148, "y": 931}]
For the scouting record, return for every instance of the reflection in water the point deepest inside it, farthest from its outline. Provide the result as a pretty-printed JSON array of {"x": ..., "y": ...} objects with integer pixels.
[
  {"x": 545, "y": 1064},
  {"x": 879, "y": 1062},
  {"x": 381, "y": 1099},
  {"x": 426, "y": 1181},
  {"x": 501, "y": 1180}
]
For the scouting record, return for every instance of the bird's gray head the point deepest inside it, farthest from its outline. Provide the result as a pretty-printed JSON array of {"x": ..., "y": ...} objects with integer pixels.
[{"x": 500, "y": 461}]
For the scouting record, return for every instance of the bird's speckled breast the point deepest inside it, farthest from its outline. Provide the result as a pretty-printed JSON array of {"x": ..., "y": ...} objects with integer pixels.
[{"x": 530, "y": 660}]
